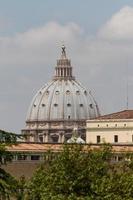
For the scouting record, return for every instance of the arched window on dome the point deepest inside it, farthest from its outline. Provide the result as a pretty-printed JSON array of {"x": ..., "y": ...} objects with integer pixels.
[
  {"x": 81, "y": 105},
  {"x": 43, "y": 105},
  {"x": 55, "y": 104},
  {"x": 69, "y": 105},
  {"x": 91, "y": 105},
  {"x": 85, "y": 92},
  {"x": 67, "y": 92},
  {"x": 78, "y": 92},
  {"x": 47, "y": 92},
  {"x": 57, "y": 92}
]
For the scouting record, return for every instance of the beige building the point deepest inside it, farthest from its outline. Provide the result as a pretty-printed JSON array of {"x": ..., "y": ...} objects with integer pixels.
[{"x": 112, "y": 128}]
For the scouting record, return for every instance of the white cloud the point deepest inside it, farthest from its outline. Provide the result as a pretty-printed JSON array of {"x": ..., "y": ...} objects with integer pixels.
[
  {"x": 27, "y": 61},
  {"x": 35, "y": 45},
  {"x": 120, "y": 26}
]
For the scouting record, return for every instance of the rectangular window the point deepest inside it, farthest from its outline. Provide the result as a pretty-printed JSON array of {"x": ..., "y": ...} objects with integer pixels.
[
  {"x": 120, "y": 158},
  {"x": 98, "y": 139},
  {"x": 35, "y": 157},
  {"x": 115, "y": 138},
  {"x": 22, "y": 157}
]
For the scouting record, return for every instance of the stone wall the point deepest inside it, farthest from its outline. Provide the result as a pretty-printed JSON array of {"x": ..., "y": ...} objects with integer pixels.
[{"x": 18, "y": 169}]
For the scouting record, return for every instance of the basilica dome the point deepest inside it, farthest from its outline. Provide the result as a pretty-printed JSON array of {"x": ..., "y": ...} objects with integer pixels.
[
  {"x": 63, "y": 98},
  {"x": 60, "y": 105}
]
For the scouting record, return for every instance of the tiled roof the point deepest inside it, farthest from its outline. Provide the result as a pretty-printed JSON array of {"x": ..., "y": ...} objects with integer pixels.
[
  {"x": 40, "y": 148},
  {"x": 125, "y": 114},
  {"x": 34, "y": 147}
]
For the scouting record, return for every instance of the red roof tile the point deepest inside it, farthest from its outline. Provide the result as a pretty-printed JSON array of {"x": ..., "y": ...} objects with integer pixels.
[
  {"x": 125, "y": 114},
  {"x": 40, "y": 148}
]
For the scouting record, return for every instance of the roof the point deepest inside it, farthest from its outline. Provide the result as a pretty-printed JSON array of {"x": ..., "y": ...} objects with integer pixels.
[
  {"x": 34, "y": 147},
  {"x": 41, "y": 148},
  {"x": 124, "y": 114}
]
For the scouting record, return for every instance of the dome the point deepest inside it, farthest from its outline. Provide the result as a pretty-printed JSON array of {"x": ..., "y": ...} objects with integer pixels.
[
  {"x": 63, "y": 98},
  {"x": 59, "y": 106}
]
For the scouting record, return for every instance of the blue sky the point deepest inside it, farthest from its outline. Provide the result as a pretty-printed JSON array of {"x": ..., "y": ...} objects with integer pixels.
[
  {"x": 22, "y": 15},
  {"x": 99, "y": 39}
]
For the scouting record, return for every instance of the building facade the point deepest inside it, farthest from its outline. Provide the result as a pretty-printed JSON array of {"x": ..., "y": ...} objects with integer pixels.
[
  {"x": 112, "y": 128},
  {"x": 60, "y": 106}
]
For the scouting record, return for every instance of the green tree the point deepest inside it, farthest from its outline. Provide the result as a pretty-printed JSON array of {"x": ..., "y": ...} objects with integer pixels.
[
  {"x": 79, "y": 173},
  {"x": 8, "y": 184},
  {"x": 20, "y": 188},
  {"x": 71, "y": 175}
]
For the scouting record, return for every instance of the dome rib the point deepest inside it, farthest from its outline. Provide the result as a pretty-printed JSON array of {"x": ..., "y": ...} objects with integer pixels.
[
  {"x": 73, "y": 99},
  {"x": 51, "y": 101},
  {"x": 81, "y": 100},
  {"x": 43, "y": 98}
]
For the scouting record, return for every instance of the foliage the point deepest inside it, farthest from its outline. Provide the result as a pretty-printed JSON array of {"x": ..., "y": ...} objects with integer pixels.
[
  {"x": 20, "y": 188},
  {"x": 8, "y": 184},
  {"x": 6, "y": 139},
  {"x": 79, "y": 174}
]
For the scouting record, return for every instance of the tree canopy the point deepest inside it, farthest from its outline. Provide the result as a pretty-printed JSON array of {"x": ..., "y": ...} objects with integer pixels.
[
  {"x": 8, "y": 184},
  {"x": 76, "y": 174}
]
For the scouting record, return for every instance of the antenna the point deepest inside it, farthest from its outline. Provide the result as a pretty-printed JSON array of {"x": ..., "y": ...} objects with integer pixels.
[{"x": 127, "y": 97}]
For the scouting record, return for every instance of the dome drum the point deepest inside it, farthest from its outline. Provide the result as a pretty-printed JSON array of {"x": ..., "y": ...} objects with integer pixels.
[{"x": 49, "y": 135}]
